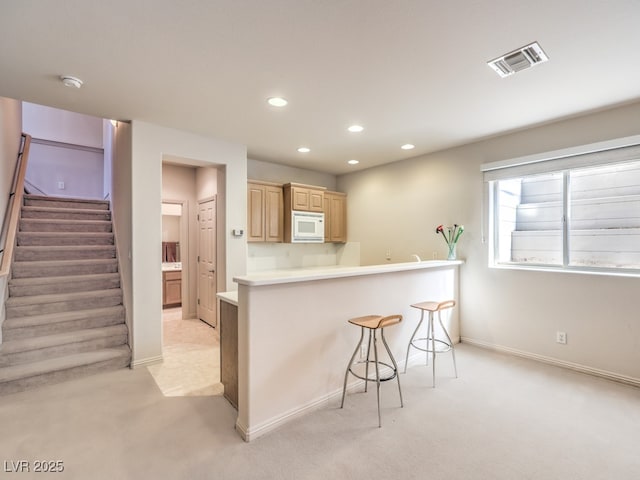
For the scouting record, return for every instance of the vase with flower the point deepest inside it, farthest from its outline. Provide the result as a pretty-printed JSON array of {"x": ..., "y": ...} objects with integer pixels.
[{"x": 451, "y": 236}]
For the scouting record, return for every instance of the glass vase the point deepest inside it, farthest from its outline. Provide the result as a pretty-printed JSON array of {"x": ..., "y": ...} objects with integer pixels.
[{"x": 451, "y": 253}]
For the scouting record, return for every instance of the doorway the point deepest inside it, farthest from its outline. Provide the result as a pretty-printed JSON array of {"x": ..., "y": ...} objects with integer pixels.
[{"x": 190, "y": 347}]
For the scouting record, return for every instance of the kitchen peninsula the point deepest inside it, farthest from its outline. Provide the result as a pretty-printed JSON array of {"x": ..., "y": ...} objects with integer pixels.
[{"x": 294, "y": 340}]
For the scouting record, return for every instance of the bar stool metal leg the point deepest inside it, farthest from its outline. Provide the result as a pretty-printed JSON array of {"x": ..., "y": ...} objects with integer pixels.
[
  {"x": 431, "y": 335},
  {"x": 453, "y": 350},
  {"x": 395, "y": 365},
  {"x": 366, "y": 365},
  {"x": 346, "y": 374},
  {"x": 375, "y": 356},
  {"x": 406, "y": 360}
]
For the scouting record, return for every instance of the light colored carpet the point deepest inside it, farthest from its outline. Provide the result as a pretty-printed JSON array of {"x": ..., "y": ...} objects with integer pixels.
[
  {"x": 505, "y": 418},
  {"x": 191, "y": 357}
]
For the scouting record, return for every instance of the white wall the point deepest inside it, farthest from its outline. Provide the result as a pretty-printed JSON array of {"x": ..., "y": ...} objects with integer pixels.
[
  {"x": 121, "y": 192},
  {"x": 273, "y": 172},
  {"x": 206, "y": 183},
  {"x": 150, "y": 144},
  {"x": 171, "y": 228},
  {"x": 10, "y": 138},
  {"x": 49, "y": 123},
  {"x": 81, "y": 170},
  {"x": 10, "y": 131},
  {"x": 107, "y": 135},
  {"x": 398, "y": 206}
]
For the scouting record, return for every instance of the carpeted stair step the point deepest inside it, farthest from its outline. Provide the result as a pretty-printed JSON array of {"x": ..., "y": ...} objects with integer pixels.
[
  {"x": 57, "y": 268},
  {"x": 45, "y": 225},
  {"x": 40, "y": 325},
  {"x": 64, "y": 302},
  {"x": 63, "y": 202},
  {"x": 20, "y": 287},
  {"x": 42, "y": 239},
  {"x": 75, "y": 252},
  {"x": 34, "y": 349},
  {"x": 28, "y": 375},
  {"x": 65, "y": 213}
]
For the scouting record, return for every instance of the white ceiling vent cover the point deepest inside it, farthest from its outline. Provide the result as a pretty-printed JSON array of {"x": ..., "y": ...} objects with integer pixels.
[{"x": 520, "y": 59}]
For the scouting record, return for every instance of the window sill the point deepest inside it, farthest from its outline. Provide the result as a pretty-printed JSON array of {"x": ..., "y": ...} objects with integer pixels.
[{"x": 633, "y": 273}]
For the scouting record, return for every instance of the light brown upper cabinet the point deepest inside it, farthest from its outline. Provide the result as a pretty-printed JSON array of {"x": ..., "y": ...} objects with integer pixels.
[
  {"x": 306, "y": 198},
  {"x": 265, "y": 212},
  {"x": 335, "y": 217}
]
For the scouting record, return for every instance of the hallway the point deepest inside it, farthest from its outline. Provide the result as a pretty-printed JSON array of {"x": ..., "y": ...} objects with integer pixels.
[{"x": 191, "y": 351}]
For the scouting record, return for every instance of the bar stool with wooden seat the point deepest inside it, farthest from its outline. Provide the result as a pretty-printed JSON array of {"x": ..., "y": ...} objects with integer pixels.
[
  {"x": 431, "y": 344},
  {"x": 373, "y": 323}
]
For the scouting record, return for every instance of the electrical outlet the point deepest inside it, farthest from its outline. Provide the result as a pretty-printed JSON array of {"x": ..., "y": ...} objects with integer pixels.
[
  {"x": 435, "y": 255},
  {"x": 561, "y": 337},
  {"x": 388, "y": 254},
  {"x": 363, "y": 352}
]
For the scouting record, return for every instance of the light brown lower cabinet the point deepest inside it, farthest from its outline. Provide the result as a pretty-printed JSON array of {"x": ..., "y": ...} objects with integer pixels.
[
  {"x": 229, "y": 351},
  {"x": 172, "y": 288}
]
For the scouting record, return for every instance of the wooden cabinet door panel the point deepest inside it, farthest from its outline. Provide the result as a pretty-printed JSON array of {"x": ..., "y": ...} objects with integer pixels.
[
  {"x": 255, "y": 214},
  {"x": 273, "y": 214},
  {"x": 316, "y": 201}
]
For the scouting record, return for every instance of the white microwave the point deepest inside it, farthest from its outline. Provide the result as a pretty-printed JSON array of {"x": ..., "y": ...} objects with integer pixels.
[{"x": 307, "y": 227}]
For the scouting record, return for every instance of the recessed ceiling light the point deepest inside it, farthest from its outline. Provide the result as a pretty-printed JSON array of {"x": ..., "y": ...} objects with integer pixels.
[
  {"x": 408, "y": 146},
  {"x": 304, "y": 150},
  {"x": 70, "y": 81},
  {"x": 277, "y": 101},
  {"x": 353, "y": 162},
  {"x": 355, "y": 128}
]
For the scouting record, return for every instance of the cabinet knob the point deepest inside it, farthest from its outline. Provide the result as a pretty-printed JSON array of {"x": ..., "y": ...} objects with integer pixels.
[{"x": 212, "y": 271}]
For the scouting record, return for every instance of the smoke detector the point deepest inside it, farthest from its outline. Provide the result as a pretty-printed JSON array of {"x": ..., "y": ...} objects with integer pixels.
[
  {"x": 520, "y": 59},
  {"x": 69, "y": 81}
]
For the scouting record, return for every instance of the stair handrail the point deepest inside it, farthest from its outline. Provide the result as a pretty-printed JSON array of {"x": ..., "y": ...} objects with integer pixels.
[{"x": 12, "y": 213}]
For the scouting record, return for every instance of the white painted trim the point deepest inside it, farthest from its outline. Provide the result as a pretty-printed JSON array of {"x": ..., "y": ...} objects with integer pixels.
[
  {"x": 145, "y": 362},
  {"x": 554, "y": 361},
  {"x": 68, "y": 146}
]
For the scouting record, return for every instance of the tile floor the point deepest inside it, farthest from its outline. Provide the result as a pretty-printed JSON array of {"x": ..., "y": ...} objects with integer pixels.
[{"x": 191, "y": 351}]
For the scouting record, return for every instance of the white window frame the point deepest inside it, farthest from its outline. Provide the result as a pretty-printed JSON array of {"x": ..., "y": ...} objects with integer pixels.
[{"x": 610, "y": 152}]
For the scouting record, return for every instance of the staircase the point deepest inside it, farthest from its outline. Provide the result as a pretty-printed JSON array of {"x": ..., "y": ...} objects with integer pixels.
[{"x": 64, "y": 315}]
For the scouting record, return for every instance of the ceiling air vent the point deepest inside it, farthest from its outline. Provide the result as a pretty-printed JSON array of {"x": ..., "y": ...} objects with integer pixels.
[{"x": 518, "y": 60}]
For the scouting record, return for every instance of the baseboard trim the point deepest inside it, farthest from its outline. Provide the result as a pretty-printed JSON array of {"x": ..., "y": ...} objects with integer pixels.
[
  {"x": 554, "y": 361},
  {"x": 145, "y": 362}
]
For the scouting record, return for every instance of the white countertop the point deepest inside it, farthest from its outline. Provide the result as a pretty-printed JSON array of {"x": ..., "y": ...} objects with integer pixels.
[
  {"x": 171, "y": 266},
  {"x": 229, "y": 297},
  {"x": 320, "y": 273}
]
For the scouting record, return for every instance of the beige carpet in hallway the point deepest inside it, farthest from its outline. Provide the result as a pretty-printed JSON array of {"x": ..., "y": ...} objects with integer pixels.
[
  {"x": 191, "y": 357},
  {"x": 505, "y": 418}
]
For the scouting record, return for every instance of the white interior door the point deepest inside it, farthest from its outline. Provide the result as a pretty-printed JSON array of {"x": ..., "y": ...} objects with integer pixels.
[{"x": 207, "y": 262}]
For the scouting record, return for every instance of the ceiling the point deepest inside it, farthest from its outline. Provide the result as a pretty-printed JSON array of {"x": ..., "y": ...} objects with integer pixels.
[{"x": 409, "y": 71}]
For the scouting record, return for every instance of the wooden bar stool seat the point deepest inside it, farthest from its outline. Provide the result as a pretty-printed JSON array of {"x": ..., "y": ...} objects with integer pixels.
[
  {"x": 432, "y": 345},
  {"x": 373, "y": 323}
]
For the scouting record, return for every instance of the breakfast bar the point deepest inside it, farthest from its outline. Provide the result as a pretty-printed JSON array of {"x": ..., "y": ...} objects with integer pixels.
[{"x": 293, "y": 338}]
